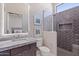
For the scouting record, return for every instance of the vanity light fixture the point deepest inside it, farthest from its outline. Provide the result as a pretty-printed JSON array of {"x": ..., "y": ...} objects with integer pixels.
[{"x": 2, "y": 18}]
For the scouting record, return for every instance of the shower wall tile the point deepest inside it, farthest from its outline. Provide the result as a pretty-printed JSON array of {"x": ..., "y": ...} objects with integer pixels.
[{"x": 67, "y": 35}]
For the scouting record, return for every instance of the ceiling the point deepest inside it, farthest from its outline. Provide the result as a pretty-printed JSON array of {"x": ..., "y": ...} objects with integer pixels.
[
  {"x": 22, "y": 8},
  {"x": 16, "y": 7}
]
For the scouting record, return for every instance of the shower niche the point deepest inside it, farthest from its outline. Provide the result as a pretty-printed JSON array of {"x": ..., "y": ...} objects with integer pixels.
[{"x": 66, "y": 26}]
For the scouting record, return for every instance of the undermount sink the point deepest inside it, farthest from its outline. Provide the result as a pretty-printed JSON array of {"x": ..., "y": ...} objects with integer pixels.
[
  {"x": 4, "y": 43},
  {"x": 18, "y": 39}
]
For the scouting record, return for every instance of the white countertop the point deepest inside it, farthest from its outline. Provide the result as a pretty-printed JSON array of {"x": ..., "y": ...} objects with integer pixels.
[{"x": 9, "y": 44}]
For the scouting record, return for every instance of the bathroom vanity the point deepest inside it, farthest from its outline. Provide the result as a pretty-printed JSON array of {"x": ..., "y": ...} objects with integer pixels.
[
  {"x": 18, "y": 48},
  {"x": 16, "y": 27}
]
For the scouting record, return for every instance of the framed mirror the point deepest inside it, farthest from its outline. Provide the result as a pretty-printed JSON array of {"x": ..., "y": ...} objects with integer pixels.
[{"x": 15, "y": 18}]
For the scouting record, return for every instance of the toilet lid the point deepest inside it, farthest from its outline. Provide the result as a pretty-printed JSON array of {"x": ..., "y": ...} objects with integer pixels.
[{"x": 44, "y": 49}]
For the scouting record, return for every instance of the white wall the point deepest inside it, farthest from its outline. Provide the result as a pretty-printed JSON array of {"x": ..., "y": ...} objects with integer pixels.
[
  {"x": 50, "y": 40},
  {"x": 36, "y": 9},
  {"x": 20, "y": 8},
  {"x": 48, "y": 23}
]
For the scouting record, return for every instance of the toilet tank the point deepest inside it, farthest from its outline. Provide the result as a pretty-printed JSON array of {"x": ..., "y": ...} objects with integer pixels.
[{"x": 39, "y": 42}]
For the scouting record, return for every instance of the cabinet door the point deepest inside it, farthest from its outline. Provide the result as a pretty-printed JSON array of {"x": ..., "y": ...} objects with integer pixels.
[
  {"x": 27, "y": 50},
  {"x": 33, "y": 49},
  {"x": 19, "y": 50}
]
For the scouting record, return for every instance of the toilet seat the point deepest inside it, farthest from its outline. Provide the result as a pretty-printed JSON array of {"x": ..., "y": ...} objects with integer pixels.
[{"x": 44, "y": 51}]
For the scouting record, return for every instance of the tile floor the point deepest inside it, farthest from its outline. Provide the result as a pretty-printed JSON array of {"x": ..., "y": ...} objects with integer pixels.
[
  {"x": 48, "y": 54},
  {"x": 62, "y": 52}
]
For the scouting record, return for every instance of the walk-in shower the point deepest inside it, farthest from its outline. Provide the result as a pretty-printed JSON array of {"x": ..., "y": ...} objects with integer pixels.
[{"x": 66, "y": 23}]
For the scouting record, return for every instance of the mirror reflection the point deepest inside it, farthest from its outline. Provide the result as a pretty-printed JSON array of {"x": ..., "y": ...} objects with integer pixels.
[{"x": 16, "y": 18}]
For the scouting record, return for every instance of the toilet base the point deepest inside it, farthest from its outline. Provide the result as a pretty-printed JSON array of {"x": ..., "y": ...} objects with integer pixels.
[{"x": 43, "y": 51}]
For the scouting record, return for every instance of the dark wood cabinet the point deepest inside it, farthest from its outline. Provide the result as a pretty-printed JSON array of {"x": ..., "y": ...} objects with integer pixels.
[{"x": 26, "y": 50}]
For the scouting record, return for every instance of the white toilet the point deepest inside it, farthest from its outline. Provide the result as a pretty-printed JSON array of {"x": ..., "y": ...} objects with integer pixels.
[{"x": 42, "y": 50}]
